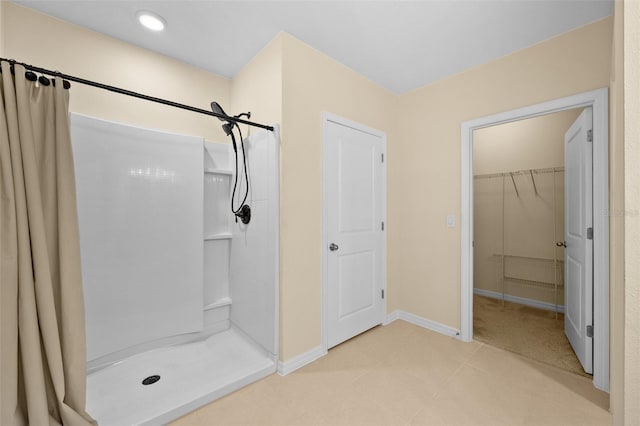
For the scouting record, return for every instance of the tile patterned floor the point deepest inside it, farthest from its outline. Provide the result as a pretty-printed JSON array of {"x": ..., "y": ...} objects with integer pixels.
[{"x": 402, "y": 374}]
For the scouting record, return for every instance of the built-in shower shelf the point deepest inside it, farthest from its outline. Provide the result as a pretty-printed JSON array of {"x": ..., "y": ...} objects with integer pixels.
[
  {"x": 217, "y": 171},
  {"x": 221, "y": 236},
  {"x": 225, "y": 301}
]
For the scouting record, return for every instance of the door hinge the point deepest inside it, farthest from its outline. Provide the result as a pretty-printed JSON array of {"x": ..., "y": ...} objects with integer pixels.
[
  {"x": 382, "y": 157},
  {"x": 383, "y": 226},
  {"x": 383, "y": 293},
  {"x": 589, "y": 135},
  {"x": 589, "y": 331},
  {"x": 589, "y": 233}
]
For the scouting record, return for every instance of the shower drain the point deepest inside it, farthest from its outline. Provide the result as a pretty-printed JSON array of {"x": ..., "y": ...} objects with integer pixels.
[{"x": 151, "y": 380}]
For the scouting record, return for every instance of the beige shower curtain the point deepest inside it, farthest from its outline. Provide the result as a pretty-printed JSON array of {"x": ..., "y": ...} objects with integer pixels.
[{"x": 42, "y": 352}]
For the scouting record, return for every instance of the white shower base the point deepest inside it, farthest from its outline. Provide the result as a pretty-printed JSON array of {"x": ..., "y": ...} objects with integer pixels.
[{"x": 192, "y": 375}]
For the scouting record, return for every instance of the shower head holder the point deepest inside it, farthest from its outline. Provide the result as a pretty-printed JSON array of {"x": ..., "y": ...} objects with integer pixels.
[{"x": 244, "y": 214}]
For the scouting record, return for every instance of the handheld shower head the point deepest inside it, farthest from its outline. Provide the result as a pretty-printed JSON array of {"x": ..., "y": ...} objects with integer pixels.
[
  {"x": 244, "y": 211},
  {"x": 216, "y": 108},
  {"x": 227, "y": 127}
]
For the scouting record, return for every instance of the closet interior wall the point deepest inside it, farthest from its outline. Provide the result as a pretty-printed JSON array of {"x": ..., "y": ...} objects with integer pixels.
[
  {"x": 518, "y": 218},
  {"x": 518, "y": 210}
]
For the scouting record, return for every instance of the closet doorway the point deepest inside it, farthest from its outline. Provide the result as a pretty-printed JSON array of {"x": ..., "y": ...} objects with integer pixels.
[
  {"x": 597, "y": 101},
  {"x": 519, "y": 237}
]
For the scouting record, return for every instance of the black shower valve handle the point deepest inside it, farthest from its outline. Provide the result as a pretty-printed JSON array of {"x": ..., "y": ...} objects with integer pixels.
[{"x": 244, "y": 214}]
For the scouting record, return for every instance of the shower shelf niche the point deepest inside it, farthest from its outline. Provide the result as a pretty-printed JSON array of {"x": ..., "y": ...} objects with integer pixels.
[
  {"x": 217, "y": 236},
  {"x": 225, "y": 301},
  {"x": 221, "y": 236},
  {"x": 214, "y": 171}
]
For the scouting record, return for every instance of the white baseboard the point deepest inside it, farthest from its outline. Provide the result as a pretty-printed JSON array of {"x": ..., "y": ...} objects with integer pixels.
[
  {"x": 289, "y": 366},
  {"x": 422, "y": 322},
  {"x": 395, "y": 315},
  {"x": 521, "y": 300}
]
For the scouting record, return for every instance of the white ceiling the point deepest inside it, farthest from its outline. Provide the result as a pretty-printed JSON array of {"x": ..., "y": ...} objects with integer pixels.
[{"x": 401, "y": 45}]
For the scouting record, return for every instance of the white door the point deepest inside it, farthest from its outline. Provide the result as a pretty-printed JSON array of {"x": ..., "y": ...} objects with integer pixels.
[
  {"x": 354, "y": 206},
  {"x": 578, "y": 254}
]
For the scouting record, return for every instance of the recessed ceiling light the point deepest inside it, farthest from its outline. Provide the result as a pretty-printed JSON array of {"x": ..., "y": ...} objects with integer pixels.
[{"x": 151, "y": 20}]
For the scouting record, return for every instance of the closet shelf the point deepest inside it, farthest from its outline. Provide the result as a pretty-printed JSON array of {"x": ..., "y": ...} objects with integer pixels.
[
  {"x": 530, "y": 172},
  {"x": 225, "y": 301},
  {"x": 217, "y": 171},
  {"x": 513, "y": 256},
  {"x": 533, "y": 283},
  {"x": 221, "y": 236}
]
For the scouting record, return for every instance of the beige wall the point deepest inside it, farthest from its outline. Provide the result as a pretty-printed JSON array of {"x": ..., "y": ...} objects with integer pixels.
[
  {"x": 631, "y": 78},
  {"x": 74, "y": 50},
  {"x": 2, "y": 31},
  {"x": 527, "y": 236},
  {"x": 617, "y": 218},
  {"x": 258, "y": 86},
  {"x": 529, "y": 228},
  {"x": 313, "y": 83},
  {"x": 525, "y": 144},
  {"x": 428, "y": 269}
]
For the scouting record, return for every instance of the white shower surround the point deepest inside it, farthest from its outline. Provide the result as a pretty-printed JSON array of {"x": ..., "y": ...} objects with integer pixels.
[
  {"x": 140, "y": 219},
  {"x": 254, "y": 249},
  {"x": 238, "y": 302}
]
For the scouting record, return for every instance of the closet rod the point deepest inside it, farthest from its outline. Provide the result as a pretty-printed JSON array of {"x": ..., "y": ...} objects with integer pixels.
[
  {"x": 135, "y": 94},
  {"x": 520, "y": 172}
]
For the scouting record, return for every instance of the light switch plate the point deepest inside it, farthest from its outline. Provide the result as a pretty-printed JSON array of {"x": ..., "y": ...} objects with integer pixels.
[{"x": 451, "y": 221}]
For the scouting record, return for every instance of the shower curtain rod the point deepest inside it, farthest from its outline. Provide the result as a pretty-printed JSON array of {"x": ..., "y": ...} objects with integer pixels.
[{"x": 135, "y": 94}]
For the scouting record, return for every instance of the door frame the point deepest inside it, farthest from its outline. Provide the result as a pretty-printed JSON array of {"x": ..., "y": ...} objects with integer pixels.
[
  {"x": 599, "y": 101},
  {"x": 332, "y": 118}
]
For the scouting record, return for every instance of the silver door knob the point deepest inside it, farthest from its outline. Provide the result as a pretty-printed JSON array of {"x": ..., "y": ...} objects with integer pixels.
[
  {"x": 561, "y": 244},
  {"x": 333, "y": 247}
]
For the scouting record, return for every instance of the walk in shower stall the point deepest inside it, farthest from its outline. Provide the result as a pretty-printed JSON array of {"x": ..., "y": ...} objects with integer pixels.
[{"x": 181, "y": 300}]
